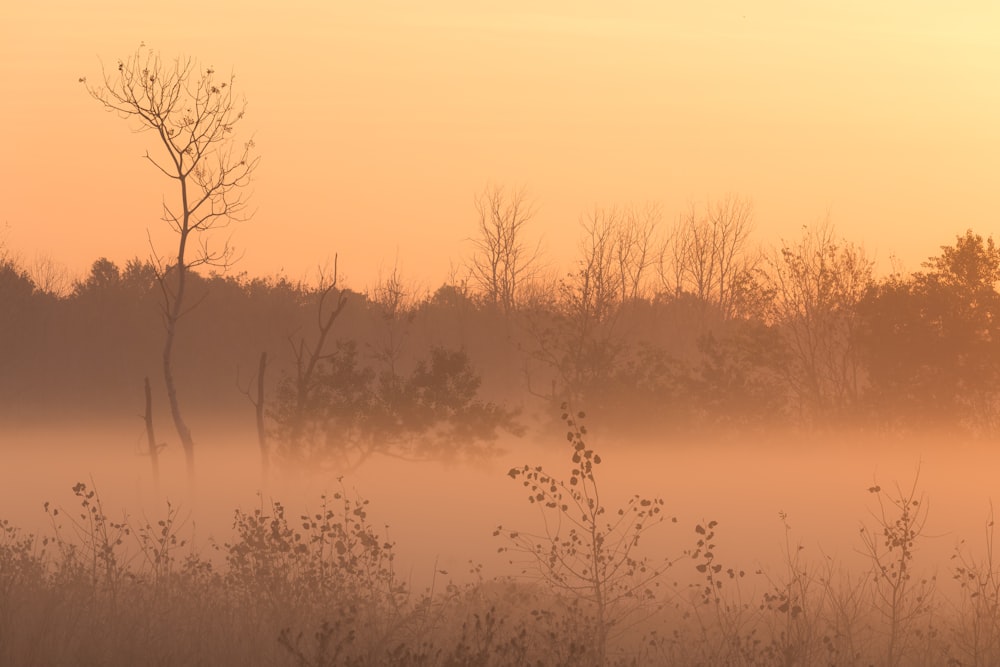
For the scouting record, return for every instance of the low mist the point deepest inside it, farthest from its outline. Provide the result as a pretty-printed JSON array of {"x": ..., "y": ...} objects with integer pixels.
[{"x": 767, "y": 500}]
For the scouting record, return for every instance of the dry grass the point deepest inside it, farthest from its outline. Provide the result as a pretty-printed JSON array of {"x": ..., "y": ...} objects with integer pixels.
[{"x": 321, "y": 589}]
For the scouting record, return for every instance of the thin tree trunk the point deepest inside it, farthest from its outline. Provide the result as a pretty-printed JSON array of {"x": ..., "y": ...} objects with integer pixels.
[
  {"x": 175, "y": 410},
  {"x": 154, "y": 448},
  {"x": 265, "y": 463},
  {"x": 173, "y": 313}
]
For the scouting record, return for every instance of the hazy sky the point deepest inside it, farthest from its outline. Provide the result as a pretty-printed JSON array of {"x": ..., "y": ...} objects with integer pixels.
[{"x": 377, "y": 122}]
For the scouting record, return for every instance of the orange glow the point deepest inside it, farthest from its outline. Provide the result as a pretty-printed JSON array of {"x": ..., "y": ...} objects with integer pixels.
[
  {"x": 776, "y": 398},
  {"x": 378, "y": 122}
]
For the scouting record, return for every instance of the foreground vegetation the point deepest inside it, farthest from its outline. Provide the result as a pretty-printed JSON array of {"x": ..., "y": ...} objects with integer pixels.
[{"x": 321, "y": 588}]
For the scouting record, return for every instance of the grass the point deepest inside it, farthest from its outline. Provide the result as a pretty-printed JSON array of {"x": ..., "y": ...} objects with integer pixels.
[{"x": 318, "y": 589}]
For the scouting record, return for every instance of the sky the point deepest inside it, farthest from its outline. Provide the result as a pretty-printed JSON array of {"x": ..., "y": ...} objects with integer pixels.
[{"x": 378, "y": 122}]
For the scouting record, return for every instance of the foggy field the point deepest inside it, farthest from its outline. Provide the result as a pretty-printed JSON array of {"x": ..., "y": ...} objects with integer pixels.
[
  {"x": 579, "y": 335},
  {"x": 448, "y": 511},
  {"x": 442, "y": 517},
  {"x": 802, "y": 476}
]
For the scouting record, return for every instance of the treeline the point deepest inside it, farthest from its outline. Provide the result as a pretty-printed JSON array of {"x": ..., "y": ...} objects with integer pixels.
[{"x": 650, "y": 336}]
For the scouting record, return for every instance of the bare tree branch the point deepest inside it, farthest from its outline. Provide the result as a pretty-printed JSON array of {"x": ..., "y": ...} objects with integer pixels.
[
  {"x": 503, "y": 262},
  {"x": 193, "y": 116}
]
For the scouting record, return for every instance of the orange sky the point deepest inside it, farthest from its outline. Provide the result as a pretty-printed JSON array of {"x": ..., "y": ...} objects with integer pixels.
[{"x": 377, "y": 122}]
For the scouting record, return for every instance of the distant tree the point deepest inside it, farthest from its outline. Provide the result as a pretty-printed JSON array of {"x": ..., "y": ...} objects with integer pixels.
[
  {"x": 575, "y": 341},
  {"x": 49, "y": 276},
  {"x": 300, "y": 397},
  {"x": 16, "y": 292},
  {"x": 113, "y": 304},
  {"x": 139, "y": 275},
  {"x": 193, "y": 116},
  {"x": 709, "y": 256},
  {"x": 393, "y": 305},
  {"x": 15, "y": 283},
  {"x": 353, "y": 412},
  {"x": 931, "y": 341},
  {"x": 616, "y": 252},
  {"x": 104, "y": 275},
  {"x": 354, "y": 398},
  {"x": 503, "y": 261},
  {"x": 817, "y": 282},
  {"x": 740, "y": 378}
]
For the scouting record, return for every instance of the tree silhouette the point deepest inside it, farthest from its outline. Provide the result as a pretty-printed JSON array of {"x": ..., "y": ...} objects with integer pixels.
[
  {"x": 817, "y": 283},
  {"x": 575, "y": 342},
  {"x": 16, "y": 303},
  {"x": 709, "y": 255},
  {"x": 932, "y": 341},
  {"x": 193, "y": 116},
  {"x": 351, "y": 412},
  {"x": 503, "y": 262}
]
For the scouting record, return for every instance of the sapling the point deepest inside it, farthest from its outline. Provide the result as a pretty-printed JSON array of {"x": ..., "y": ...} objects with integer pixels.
[
  {"x": 584, "y": 552},
  {"x": 977, "y": 627},
  {"x": 890, "y": 547}
]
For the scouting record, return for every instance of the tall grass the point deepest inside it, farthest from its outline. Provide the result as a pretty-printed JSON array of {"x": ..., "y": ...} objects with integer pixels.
[{"x": 321, "y": 588}]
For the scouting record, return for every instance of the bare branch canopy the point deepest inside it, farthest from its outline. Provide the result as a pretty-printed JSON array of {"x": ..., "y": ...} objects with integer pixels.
[{"x": 194, "y": 115}]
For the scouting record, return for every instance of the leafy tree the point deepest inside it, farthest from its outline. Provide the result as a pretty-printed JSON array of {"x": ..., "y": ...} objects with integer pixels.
[
  {"x": 352, "y": 412},
  {"x": 740, "y": 379},
  {"x": 584, "y": 551},
  {"x": 104, "y": 275},
  {"x": 15, "y": 283},
  {"x": 16, "y": 292},
  {"x": 931, "y": 341}
]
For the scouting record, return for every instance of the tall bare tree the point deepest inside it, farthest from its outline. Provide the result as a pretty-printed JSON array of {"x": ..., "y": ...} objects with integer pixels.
[
  {"x": 49, "y": 276},
  {"x": 193, "y": 115},
  {"x": 709, "y": 255},
  {"x": 616, "y": 253},
  {"x": 503, "y": 260}
]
